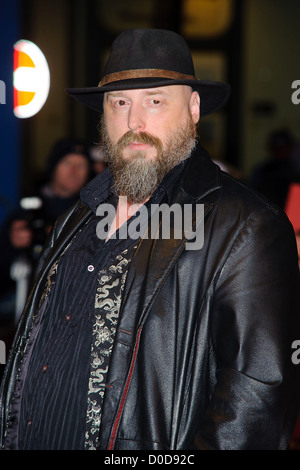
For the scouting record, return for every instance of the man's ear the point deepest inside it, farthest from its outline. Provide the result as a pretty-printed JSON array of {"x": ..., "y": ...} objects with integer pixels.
[{"x": 195, "y": 106}]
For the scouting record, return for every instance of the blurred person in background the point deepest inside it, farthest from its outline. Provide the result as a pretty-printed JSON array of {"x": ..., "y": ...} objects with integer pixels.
[
  {"x": 68, "y": 169},
  {"x": 273, "y": 177}
]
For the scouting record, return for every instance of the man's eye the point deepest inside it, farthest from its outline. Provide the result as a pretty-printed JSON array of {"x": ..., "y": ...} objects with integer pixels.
[
  {"x": 155, "y": 101},
  {"x": 121, "y": 103}
]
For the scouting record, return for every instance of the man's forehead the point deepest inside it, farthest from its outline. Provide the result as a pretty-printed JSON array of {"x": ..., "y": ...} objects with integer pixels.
[{"x": 167, "y": 90}]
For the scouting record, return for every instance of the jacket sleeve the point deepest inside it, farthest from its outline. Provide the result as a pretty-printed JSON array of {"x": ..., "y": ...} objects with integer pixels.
[{"x": 255, "y": 321}]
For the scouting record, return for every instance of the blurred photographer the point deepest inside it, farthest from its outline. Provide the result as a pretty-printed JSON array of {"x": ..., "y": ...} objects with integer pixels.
[{"x": 69, "y": 167}]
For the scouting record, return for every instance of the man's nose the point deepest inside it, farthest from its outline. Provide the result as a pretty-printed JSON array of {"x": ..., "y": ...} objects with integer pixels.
[{"x": 136, "y": 118}]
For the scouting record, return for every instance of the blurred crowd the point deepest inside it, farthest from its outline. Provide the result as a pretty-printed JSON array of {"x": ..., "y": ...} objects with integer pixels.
[{"x": 70, "y": 164}]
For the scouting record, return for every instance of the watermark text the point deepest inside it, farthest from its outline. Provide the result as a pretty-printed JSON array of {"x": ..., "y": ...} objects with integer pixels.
[
  {"x": 2, "y": 352},
  {"x": 163, "y": 221},
  {"x": 2, "y": 92},
  {"x": 296, "y": 94},
  {"x": 296, "y": 353}
]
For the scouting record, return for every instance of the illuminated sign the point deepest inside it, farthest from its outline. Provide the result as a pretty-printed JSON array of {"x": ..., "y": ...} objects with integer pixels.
[{"x": 31, "y": 79}]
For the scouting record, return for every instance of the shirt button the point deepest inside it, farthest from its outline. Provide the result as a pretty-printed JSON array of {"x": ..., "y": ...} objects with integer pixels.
[
  {"x": 45, "y": 367},
  {"x": 91, "y": 268},
  {"x": 29, "y": 422},
  {"x": 68, "y": 317}
]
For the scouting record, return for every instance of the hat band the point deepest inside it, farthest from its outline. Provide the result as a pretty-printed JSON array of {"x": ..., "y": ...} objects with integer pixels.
[{"x": 144, "y": 73}]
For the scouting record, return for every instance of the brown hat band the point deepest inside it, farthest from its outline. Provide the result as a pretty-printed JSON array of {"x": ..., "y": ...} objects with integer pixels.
[{"x": 144, "y": 73}]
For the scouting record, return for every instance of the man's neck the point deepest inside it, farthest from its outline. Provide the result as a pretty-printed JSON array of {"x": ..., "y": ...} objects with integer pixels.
[{"x": 125, "y": 210}]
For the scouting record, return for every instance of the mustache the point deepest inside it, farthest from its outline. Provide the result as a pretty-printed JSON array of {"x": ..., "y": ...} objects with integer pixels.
[{"x": 141, "y": 138}]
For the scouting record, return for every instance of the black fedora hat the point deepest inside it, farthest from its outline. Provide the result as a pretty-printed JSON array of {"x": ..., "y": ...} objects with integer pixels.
[{"x": 147, "y": 58}]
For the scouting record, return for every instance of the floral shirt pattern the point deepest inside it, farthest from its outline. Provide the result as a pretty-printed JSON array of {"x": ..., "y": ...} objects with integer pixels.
[{"x": 108, "y": 297}]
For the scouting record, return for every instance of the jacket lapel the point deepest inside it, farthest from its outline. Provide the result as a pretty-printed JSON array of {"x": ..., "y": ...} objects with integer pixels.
[{"x": 63, "y": 234}]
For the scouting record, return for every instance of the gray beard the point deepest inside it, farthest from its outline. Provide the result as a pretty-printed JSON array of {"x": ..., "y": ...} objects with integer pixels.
[{"x": 138, "y": 177}]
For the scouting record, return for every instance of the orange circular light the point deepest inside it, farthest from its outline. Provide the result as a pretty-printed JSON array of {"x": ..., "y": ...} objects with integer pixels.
[{"x": 31, "y": 79}]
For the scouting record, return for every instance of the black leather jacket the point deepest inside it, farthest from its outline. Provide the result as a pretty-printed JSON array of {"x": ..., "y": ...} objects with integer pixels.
[{"x": 202, "y": 356}]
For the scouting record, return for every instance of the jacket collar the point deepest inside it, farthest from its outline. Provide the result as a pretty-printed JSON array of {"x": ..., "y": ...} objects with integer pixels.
[{"x": 200, "y": 175}]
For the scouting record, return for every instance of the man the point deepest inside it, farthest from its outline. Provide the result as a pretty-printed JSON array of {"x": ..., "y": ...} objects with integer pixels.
[{"x": 134, "y": 341}]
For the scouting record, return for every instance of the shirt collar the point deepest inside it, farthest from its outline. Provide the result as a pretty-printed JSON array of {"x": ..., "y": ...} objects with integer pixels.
[{"x": 100, "y": 189}]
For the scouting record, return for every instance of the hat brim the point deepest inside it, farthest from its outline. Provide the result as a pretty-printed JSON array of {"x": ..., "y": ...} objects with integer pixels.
[{"x": 213, "y": 94}]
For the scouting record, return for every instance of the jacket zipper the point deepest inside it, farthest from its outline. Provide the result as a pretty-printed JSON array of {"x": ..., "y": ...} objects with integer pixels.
[{"x": 123, "y": 399}]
